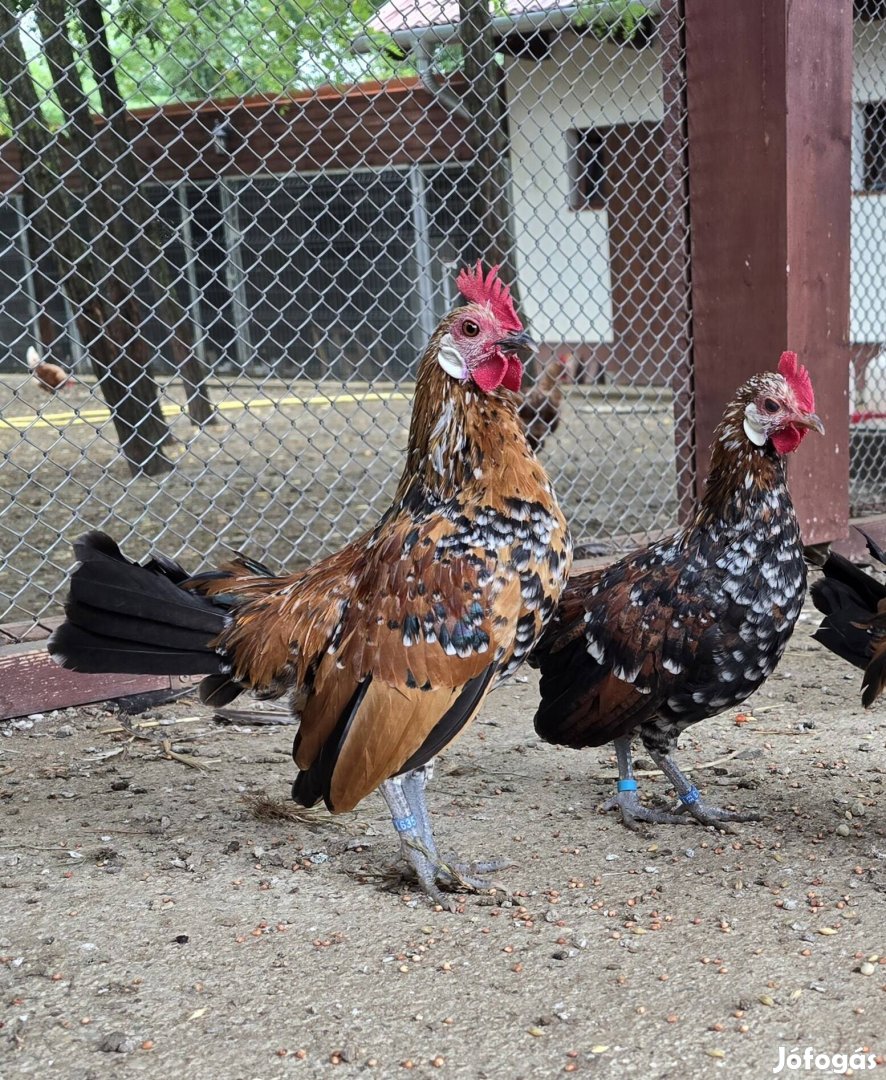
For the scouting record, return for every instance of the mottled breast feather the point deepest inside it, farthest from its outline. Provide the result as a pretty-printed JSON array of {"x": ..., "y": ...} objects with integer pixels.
[
  {"x": 389, "y": 647},
  {"x": 682, "y": 629}
]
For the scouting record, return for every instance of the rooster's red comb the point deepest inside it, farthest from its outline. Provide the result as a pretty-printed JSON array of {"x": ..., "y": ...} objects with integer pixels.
[
  {"x": 798, "y": 380},
  {"x": 491, "y": 290}
]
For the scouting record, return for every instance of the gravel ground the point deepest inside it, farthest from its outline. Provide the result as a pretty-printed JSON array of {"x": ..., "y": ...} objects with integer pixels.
[
  {"x": 285, "y": 483},
  {"x": 153, "y": 923}
]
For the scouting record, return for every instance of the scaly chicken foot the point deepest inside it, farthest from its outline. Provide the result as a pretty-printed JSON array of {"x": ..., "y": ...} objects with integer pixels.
[
  {"x": 457, "y": 871},
  {"x": 691, "y": 801},
  {"x": 405, "y": 796},
  {"x": 627, "y": 801},
  {"x": 633, "y": 812}
]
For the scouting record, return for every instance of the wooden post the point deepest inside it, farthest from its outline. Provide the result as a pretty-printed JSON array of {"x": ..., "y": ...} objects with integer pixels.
[{"x": 769, "y": 99}]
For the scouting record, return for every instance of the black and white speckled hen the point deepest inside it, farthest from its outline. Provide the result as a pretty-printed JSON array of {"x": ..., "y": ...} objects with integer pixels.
[
  {"x": 693, "y": 624},
  {"x": 387, "y": 648}
]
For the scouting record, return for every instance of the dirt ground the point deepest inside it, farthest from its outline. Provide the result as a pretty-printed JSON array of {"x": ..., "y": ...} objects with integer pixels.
[{"x": 151, "y": 924}]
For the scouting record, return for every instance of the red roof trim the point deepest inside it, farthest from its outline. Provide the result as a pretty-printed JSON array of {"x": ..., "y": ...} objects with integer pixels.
[{"x": 372, "y": 88}]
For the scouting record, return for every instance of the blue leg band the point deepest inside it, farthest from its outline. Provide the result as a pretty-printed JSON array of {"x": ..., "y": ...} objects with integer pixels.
[
  {"x": 692, "y": 796},
  {"x": 404, "y": 824},
  {"x": 627, "y": 785}
]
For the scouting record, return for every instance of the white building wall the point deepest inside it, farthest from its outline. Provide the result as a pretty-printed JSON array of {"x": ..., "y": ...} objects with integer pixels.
[
  {"x": 563, "y": 254},
  {"x": 867, "y": 285}
]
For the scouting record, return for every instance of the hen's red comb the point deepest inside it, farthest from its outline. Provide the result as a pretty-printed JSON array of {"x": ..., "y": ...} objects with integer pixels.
[
  {"x": 489, "y": 290},
  {"x": 798, "y": 379}
]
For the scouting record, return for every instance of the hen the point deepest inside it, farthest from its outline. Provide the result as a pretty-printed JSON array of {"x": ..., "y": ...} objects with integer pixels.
[
  {"x": 854, "y": 627},
  {"x": 541, "y": 405},
  {"x": 51, "y": 377},
  {"x": 387, "y": 648},
  {"x": 693, "y": 624}
]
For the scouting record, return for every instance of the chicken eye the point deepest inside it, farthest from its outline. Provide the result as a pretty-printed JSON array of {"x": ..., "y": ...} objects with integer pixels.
[
  {"x": 771, "y": 406},
  {"x": 470, "y": 328}
]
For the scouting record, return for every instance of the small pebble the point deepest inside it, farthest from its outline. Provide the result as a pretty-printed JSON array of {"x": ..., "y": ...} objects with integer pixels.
[
  {"x": 842, "y": 829},
  {"x": 867, "y": 968}
]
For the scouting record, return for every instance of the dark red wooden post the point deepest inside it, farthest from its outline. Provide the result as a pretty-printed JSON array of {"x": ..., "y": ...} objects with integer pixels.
[{"x": 769, "y": 99}]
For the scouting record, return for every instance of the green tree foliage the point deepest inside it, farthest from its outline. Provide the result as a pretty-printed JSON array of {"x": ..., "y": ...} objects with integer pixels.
[{"x": 177, "y": 50}]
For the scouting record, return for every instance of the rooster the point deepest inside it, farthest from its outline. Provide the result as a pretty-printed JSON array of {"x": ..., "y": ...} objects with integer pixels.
[
  {"x": 387, "y": 648},
  {"x": 854, "y": 627},
  {"x": 693, "y": 624},
  {"x": 51, "y": 377},
  {"x": 540, "y": 408}
]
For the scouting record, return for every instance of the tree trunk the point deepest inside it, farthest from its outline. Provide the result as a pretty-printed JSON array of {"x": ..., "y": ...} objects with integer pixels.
[
  {"x": 132, "y": 204},
  {"x": 484, "y": 110},
  {"x": 41, "y": 257},
  {"x": 107, "y": 331},
  {"x": 113, "y": 238}
]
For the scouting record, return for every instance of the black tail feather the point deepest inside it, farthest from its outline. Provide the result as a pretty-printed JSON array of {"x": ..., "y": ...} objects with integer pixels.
[
  {"x": 131, "y": 619},
  {"x": 218, "y": 690},
  {"x": 874, "y": 679},
  {"x": 75, "y": 648},
  {"x": 853, "y": 626},
  {"x": 868, "y": 592},
  {"x": 840, "y": 631}
]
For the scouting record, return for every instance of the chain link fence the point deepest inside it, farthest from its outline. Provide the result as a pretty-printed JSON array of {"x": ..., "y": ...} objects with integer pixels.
[
  {"x": 867, "y": 387},
  {"x": 227, "y": 231}
]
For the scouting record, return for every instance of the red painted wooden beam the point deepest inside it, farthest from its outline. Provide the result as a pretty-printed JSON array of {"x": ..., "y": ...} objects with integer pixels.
[
  {"x": 769, "y": 103},
  {"x": 31, "y": 682}
]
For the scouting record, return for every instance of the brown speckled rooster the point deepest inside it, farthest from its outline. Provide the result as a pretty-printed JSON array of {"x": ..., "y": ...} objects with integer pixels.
[
  {"x": 691, "y": 625},
  {"x": 387, "y": 648}
]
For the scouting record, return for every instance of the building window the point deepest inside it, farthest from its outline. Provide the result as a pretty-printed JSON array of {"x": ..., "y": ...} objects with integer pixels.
[
  {"x": 875, "y": 146},
  {"x": 587, "y": 169}
]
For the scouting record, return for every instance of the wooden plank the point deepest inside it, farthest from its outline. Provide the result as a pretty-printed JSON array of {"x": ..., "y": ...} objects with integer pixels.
[
  {"x": 769, "y": 143},
  {"x": 31, "y": 682},
  {"x": 14, "y": 633}
]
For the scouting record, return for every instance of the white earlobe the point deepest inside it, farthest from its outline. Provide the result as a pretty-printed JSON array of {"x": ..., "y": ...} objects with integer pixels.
[
  {"x": 753, "y": 433},
  {"x": 449, "y": 358}
]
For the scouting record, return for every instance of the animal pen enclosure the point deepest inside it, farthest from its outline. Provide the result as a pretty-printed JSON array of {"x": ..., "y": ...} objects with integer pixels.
[{"x": 237, "y": 232}]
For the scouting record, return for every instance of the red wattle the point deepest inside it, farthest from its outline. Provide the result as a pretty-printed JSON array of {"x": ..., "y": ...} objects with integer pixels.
[
  {"x": 788, "y": 439},
  {"x": 498, "y": 370},
  {"x": 514, "y": 374},
  {"x": 488, "y": 374}
]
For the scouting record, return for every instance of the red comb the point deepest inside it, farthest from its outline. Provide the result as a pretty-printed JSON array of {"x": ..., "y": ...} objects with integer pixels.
[
  {"x": 798, "y": 379},
  {"x": 491, "y": 290}
]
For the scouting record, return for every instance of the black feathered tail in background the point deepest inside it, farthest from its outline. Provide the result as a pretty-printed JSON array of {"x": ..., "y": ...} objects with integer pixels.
[
  {"x": 854, "y": 627},
  {"x": 135, "y": 620}
]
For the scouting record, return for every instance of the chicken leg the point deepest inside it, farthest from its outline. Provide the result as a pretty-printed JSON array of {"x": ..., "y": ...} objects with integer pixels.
[
  {"x": 405, "y": 796},
  {"x": 690, "y": 799},
  {"x": 627, "y": 801}
]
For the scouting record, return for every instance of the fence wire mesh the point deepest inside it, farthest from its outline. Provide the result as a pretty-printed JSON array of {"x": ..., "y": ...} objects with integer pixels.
[
  {"x": 867, "y": 387},
  {"x": 230, "y": 230}
]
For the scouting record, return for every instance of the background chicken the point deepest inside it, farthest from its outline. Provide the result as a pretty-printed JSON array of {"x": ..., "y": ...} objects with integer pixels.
[
  {"x": 854, "y": 627},
  {"x": 541, "y": 404},
  {"x": 388, "y": 647},
  {"x": 692, "y": 625},
  {"x": 51, "y": 377}
]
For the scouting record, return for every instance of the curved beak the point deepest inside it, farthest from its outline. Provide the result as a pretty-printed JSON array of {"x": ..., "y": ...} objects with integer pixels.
[
  {"x": 811, "y": 421},
  {"x": 520, "y": 340}
]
